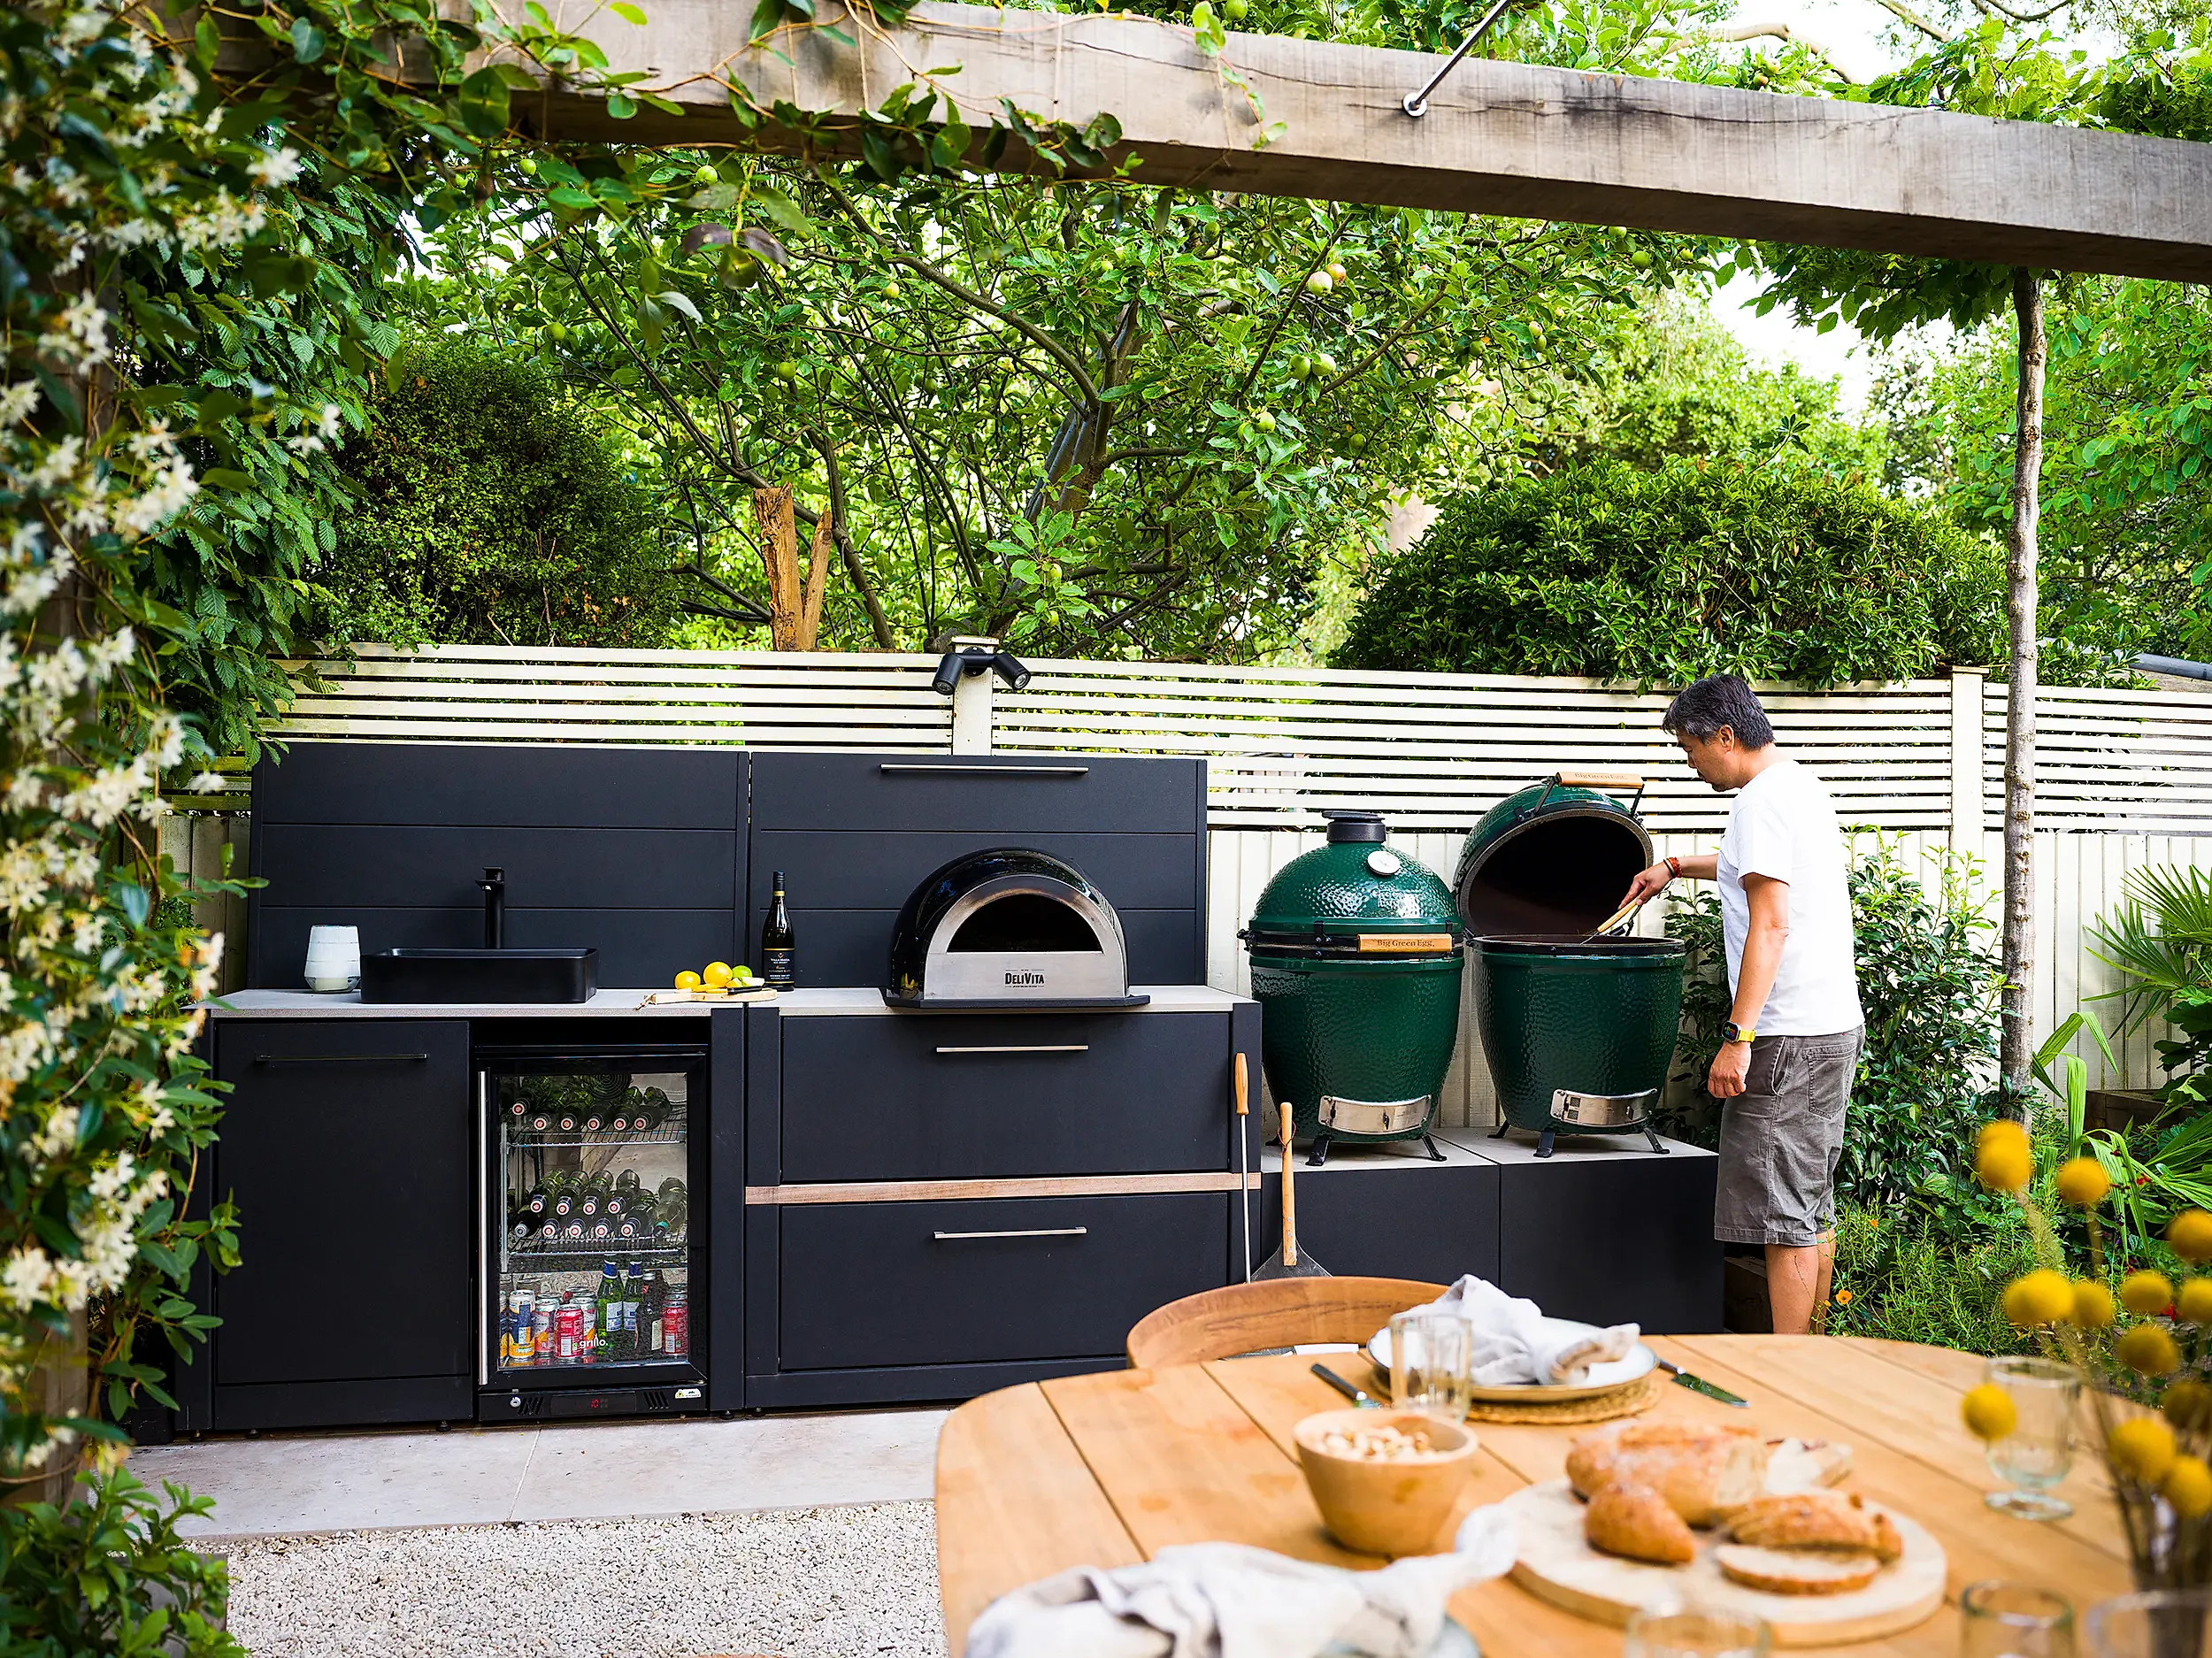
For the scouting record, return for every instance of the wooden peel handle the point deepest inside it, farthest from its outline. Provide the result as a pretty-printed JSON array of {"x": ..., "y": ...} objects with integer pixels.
[
  {"x": 1244, "y": 1091},
  {"x": 1290, "y": 1202},
  {"x": 1600, "y": 779}
]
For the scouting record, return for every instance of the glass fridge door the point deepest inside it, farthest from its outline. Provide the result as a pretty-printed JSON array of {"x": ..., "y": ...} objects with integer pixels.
[{"x": 591, "y": 1170}]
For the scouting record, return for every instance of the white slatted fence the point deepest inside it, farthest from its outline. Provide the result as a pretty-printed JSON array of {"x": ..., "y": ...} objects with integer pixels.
[{"x": 2123, "y": 777}]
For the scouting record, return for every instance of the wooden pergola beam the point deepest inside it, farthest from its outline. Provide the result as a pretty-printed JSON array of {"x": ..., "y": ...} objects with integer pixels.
[{"x": 1502, "y": 138}]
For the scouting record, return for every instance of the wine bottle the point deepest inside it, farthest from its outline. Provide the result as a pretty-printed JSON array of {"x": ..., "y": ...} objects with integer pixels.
[{"x": 779, "y": 948}]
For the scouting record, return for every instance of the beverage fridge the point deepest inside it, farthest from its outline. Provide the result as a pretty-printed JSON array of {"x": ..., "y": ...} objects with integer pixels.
[{"x": 591, "y": 1298}]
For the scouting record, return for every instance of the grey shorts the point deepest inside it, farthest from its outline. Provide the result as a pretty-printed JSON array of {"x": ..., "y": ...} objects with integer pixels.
[{"x": 1780, "y": 1140}]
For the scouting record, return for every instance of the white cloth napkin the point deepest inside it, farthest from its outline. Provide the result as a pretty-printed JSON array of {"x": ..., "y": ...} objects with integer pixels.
[
  {"x": 1226, "y": 1601},
  {"x": 1515, "y": 1342}
]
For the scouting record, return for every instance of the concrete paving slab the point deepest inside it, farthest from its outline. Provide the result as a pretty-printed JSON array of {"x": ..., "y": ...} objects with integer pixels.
[
  {"x": 309, "y": 1483},
  {"x": 349, "y": 1482},
  {"x": 605, "y": 1469}
]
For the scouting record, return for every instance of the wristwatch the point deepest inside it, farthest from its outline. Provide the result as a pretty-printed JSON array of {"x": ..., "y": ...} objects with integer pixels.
[{"x": 1731, "y": 1032}]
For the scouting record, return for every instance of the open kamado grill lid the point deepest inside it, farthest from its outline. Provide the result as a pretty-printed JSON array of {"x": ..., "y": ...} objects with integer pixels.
[{"x": 1550, "y": 862}]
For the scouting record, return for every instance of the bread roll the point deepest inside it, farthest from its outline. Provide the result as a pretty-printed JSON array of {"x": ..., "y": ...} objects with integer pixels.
[
  {"x": 1816, "y": 1519},
  {"x": 1636, "y": 1521},
  {"x": 1796, "y": 1571},
  {"x": 1703, "y": 1471}
]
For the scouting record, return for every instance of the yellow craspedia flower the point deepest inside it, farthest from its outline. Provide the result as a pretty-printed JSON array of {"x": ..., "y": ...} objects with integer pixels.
[
  {"x": 2193, "y": 1302},
  {"x": 2002, "y": 1158},
  {"x": 2041, "y": 1297},
  {"x": 2190, "y": 1232},
  {"x": 2146, "y": 1293},
  {"x": 2141, "y": 1449},
  {"x": 1989, "y": 1412},
  {"x": 2188, "y": 1487},
  {"x": 2147, "y": 1349},
  {"x": 2188, "y": 1405},
  {"x": 2084, "y": 1182},
  {"x": 2093, "y": 1305}
]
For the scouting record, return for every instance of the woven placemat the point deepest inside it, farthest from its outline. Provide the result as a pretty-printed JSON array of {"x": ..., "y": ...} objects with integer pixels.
[{"x": 1627, "y": 1401}]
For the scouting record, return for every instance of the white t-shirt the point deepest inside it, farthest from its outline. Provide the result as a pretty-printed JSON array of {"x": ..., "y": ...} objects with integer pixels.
[{"x": 1783, "y": 825}]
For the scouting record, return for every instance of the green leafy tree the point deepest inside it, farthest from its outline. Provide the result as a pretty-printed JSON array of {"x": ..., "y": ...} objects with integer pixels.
[
  {"x": 490, "y": 508},
  {"x": 1661, "y": 576}
]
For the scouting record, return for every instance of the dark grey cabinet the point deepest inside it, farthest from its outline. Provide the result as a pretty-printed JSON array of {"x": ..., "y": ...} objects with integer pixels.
[
  {"x": 348, "y": 1148},
  {"x": 996, "y": 1096}
]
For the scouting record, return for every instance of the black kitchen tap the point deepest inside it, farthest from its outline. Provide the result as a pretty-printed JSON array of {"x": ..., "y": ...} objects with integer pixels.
[{"x": 495, "y": 885}]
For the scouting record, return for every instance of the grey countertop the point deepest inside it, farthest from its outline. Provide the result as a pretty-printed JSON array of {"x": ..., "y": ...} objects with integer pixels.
[{"x": 303, "y": 1005}]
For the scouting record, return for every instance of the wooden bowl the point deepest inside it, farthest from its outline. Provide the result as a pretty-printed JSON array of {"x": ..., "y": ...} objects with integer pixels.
[{"x": 1386, "y": 1507}]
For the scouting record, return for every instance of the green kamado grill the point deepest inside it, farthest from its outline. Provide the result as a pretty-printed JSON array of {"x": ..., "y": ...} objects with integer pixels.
[
  {"x": 1356, "y": 961},
  {"x": 1578, "y": 1032}
]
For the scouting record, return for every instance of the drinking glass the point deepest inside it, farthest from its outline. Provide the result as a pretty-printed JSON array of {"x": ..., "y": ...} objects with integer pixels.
[
  {"x": 2159, "y": 1624},
  {"x": 2013, "y": 1620},
  {"x": 1431, "y": 1361},
  {"x": 1696, "y": 1634},
  {"x": 2036, "y": 1454}
]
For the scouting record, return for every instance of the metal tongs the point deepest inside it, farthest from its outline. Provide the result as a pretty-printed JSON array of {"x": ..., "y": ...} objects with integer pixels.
[{"x": 1619, "y": 917}]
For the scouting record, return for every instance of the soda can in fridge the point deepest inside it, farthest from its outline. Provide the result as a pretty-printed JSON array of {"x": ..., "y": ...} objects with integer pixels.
[
  {"x": 568, "y": 1333},
  {"x": 541, "y": 1332},
  {"x": 526, "y": 1335},
  {"x": 676, "y": 1325}
]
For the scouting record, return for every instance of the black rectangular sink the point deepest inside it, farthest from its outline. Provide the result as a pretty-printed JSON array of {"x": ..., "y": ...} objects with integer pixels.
[{"x": 521, "y": 975}]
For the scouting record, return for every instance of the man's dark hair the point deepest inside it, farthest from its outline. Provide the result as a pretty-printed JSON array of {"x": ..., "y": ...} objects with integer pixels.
[{"x": 1717, "y": 700}]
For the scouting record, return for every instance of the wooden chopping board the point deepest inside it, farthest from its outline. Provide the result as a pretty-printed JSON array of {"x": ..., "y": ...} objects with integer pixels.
[{"x": 1557, "y": 1565}]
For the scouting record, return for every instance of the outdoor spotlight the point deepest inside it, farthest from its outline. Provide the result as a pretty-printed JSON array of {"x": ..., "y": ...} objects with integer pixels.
[
  {"x": 1009, "y": 667},
  {"x": 955, "y": 664}
]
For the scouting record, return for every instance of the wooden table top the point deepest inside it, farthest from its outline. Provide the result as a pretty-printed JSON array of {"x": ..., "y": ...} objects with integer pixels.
[{"x": 1105, "y": 1470}]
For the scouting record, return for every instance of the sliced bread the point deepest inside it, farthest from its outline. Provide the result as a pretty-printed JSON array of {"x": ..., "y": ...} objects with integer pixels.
[{"x": 1796, "y": 1571}]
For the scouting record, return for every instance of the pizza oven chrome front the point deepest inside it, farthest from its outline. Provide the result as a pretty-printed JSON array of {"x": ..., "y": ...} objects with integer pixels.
[{"x": 1009, "y": 928}]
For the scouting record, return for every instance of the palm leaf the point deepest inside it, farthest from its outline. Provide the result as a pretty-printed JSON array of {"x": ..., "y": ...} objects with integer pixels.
[{"x": 2160, "y": 939}]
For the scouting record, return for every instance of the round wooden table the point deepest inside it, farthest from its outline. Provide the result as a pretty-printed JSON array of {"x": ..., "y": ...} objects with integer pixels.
[{"x": 1104, "y": 1470}]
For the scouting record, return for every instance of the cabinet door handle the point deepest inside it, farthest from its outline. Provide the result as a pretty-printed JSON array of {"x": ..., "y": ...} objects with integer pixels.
[
  {"x": 1023, "y": 1047},
  {"x": 1034, "y": 1231},
  {"x": 333, "y": 1059},
  {"x": 910, "y": 769}
]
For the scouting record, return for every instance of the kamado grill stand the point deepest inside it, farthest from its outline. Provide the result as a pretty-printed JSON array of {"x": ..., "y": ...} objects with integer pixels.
[{"x": 1578, "y": 1032}]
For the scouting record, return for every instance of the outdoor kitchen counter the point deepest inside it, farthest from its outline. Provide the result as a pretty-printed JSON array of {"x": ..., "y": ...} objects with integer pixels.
[{"x": 303, "y": 1005}]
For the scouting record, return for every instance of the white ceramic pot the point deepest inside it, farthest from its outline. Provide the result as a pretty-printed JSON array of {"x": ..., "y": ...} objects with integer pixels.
[{"x": 334, "y": 959}]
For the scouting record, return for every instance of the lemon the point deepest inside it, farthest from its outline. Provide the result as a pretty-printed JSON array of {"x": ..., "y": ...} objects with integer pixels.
[
  {"x": 2041, "y": 1297},
  {"x": 2084, "y": 1182},
  {"x": 687, "y": 980},
  {"x": 2148, "y": 1350},
  {"x": 2190, "y": 1232},
  {"x": 2141, "y": 1449},
  {"x": 717, "y": 976},
  {"x": 1989, "y": 1412},
  {"x": 2188, "y": 1487},
  {"x": 2002, "y": 1158},
  {"x": 2146, "y": 1293},
  {"x": 2093, "y": 1305},
  {"x": 2188, "y": 1405}
]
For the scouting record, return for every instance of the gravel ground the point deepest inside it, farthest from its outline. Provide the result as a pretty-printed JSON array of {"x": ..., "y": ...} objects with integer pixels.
[{"x": 807, "y": 1583}]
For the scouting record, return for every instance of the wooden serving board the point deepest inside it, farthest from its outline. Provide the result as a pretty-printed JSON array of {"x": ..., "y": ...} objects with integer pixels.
[{"x": 1557, "y": 1565}]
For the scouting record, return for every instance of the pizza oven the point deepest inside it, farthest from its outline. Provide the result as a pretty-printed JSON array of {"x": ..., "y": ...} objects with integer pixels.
[{"x": 1009, "y": 928}]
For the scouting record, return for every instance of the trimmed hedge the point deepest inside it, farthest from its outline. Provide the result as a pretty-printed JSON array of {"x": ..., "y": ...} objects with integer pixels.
[{"x": 1660, "y": 577}]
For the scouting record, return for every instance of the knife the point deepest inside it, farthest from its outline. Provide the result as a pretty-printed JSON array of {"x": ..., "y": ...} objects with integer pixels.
[
  {"x": 1695, "y": 1384},
  {"x": 1365, "y": 1402}
]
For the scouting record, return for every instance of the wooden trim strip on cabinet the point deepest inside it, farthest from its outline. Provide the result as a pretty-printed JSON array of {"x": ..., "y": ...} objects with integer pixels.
[{"x": 947, "y": 1191}]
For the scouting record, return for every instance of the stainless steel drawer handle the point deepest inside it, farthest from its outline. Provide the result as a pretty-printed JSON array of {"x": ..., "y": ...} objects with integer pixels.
[
  {"x": 987, "y": 770},
  {"x": 1037, "y": 1231},
  {"x": 331, "y": 1059},
  {"x": 1024, "y": 1047}
]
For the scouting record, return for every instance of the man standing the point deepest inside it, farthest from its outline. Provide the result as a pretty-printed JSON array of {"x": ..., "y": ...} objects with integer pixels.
[{"x": 1791, "y": 1045}]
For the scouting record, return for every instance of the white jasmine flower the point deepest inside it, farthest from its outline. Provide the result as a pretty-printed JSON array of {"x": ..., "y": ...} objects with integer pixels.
[
  {"x": 277, "y": 167},
  {"x": 19, "y": 402}
]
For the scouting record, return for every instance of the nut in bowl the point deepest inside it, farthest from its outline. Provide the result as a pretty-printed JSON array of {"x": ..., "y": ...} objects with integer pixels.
[{"x": 1386, "y": 1482}]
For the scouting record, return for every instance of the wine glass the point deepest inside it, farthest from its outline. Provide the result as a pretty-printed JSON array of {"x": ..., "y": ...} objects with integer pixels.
[
  {"x": 2158, "y": 1623},
  {"x": 2037, "y": 1451}
]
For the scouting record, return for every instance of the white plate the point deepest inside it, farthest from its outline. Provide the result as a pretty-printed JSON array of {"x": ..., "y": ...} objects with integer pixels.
[{"x": 1605, "y": 1378}]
